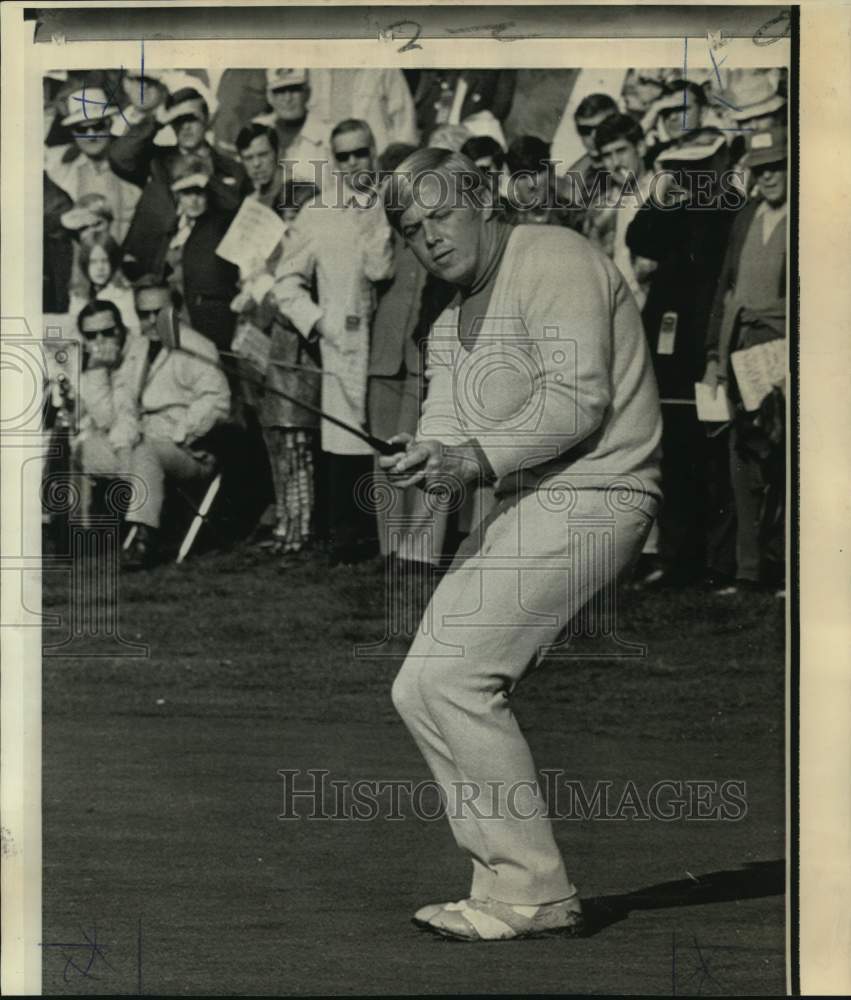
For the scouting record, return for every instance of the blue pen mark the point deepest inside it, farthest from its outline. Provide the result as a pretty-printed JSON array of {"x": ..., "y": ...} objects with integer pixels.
[{"x": 105, "y": 105}]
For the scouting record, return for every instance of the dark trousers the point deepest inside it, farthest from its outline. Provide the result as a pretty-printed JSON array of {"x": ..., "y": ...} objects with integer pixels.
[
  {"x": 344, "y": 517},
  {"x": 697, "y": 521},
  {"x": 759, "y": 487}
]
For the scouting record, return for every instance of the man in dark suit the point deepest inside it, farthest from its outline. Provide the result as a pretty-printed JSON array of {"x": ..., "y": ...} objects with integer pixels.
[
  {"x": 206, "y": 281},
  {"x": 685, "y": 231},
  {"x": 136, "y": 157}
]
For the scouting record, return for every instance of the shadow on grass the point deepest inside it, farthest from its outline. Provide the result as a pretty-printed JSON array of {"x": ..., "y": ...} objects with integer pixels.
[{"x": 755, "y": 881}]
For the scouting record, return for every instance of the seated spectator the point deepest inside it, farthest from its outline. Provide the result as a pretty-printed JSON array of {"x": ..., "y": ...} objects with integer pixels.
[
  {"x": 302, "y": 138},
  {"x": 85, "y": 167},
  {"x": 206, "y": 282},
  {"x": 136, "y": 157},
  {"x": 176, "y": 399},
  {"x": 102, "y": 279},
  {"x": 105, "y": 428},
  {"x": 621, "y": 148}
]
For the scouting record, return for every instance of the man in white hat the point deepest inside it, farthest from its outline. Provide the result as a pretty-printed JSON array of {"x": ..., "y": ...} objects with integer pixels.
[
  {"x": 84, "y": 167},
  {"x": 302, "y": 137},
  {"x": 754, "y": 102},
  {"x": 138, "y": 158}
]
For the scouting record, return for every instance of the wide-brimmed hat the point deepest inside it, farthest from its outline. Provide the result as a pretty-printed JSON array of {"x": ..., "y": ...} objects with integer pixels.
[
  {"x": 770, "y": 146},
  {"x": 87, "y": 211},
  {"x": 699, "y": 146},
  {"x": 89, "y": 105},
  {"x": 753, "y": 94}
]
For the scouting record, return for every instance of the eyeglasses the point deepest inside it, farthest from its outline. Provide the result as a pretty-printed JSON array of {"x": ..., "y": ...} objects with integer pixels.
[
  {"x": 192, "y": 190},
  {"x": 361, "y": 153},
  {"x": 148, "y": 313},
  {"x": 294, "y": 88},
  {"x": 110, "y": 331}
]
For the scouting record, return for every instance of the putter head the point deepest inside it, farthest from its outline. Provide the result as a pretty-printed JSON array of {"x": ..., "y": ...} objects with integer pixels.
[{"x": 168, "y": 328}]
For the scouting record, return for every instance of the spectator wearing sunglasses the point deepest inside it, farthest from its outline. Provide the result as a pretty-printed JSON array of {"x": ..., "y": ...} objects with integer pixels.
[
  {"x": 585, "y": 178},
  {"x": 101, "y": 278},
  {"x": 137, "y": 158},
  {"x": 84, "y": 167},
  {"x": 342, "y": 244},
  {"x": 176, "y": 397},
  {"x": 105, "y": 426}
]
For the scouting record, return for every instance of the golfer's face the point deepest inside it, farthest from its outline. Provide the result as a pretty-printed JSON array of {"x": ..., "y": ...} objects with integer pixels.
[{"x": 444, "y": 229}]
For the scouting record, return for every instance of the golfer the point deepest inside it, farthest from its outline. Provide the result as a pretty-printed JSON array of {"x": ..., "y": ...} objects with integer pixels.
[{"x": 540, "y": 382}]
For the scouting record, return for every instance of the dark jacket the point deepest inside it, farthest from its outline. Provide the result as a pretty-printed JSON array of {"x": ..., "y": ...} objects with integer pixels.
[
  {"x": 487, "y": 90},
  {"x": 717, "y": 332},
  {"x": 689, "y": 246},
  {"x": 58, "y": 250},
  {"x": 209, "y": 282},
  {"x": 135, "y": 158}
]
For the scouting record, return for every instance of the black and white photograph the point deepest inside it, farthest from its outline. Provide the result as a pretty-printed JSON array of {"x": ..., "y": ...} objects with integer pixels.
[{"x": 403, "y": 545}]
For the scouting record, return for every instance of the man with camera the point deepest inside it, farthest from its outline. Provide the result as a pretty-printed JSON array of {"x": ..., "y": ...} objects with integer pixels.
[{"x": 540, "y": 381}]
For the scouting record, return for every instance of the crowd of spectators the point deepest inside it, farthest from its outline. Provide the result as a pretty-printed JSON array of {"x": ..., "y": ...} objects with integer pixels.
[{"x": 682, "y": 182}]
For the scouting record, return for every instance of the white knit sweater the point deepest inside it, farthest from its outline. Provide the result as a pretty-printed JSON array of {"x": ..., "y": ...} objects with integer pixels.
[{"x": 560, "y": 378}]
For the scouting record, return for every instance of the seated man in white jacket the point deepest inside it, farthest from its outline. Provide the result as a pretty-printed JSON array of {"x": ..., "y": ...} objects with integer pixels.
[
  {"x": 105, "y": 429},
  {"x": 540, "y": 380},
  {"x": 178, "y": 399}
]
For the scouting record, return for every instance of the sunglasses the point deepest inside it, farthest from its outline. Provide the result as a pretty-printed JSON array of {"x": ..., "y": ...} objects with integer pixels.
[
  {"x": 92, "y": 127},
  {"x": 295, "y": 88},
  {"x": 345, "y": 155},
  {"x": 110, "y": 331},
  {"x": 193, "y": 190},
  {"x": 148, "y": 313}
]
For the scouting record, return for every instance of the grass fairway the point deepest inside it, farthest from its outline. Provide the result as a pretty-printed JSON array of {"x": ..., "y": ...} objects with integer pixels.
[{"x": 162, "y": 840}]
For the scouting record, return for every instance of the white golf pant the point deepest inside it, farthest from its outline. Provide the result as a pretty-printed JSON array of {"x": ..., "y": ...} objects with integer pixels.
[{"x": 515, "y": 584}]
